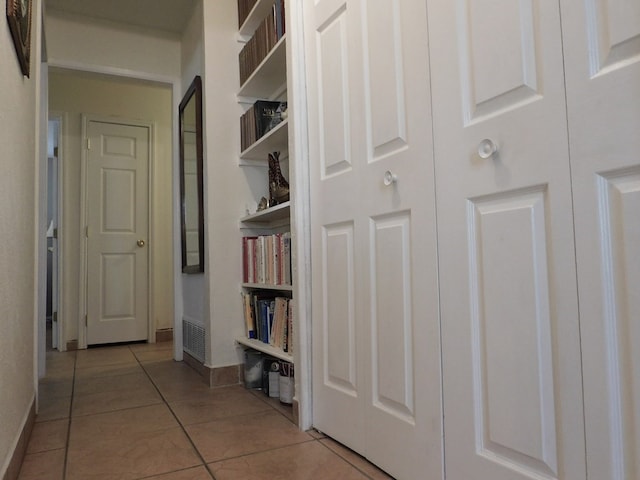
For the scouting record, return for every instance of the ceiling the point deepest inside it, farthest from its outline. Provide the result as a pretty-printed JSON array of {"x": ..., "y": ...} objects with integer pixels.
[{"x": 166, "y": 15}]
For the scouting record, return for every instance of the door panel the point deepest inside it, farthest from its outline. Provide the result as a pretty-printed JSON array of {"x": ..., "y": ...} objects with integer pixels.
[
  {"x": 510, "y": 299},
  {"x": 498, "y": 72},
  {"x": 510, "y": 337},
  {"x": 373, "y": 231},
  {"x": 117, "y": 218},
  {"x": 602, "y": 65},
  {"x": 339, "y": 338}
]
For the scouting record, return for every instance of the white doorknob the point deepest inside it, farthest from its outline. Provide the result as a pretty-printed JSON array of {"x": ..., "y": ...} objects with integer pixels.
[
  {"x": 389, "y": 178},
  {"x": 487, "y": 148}
]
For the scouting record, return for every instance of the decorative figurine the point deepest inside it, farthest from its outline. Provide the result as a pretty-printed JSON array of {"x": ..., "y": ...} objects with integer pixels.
[
  {"x": 278, "y": 185},
  {"x": 262, "y": 205}
]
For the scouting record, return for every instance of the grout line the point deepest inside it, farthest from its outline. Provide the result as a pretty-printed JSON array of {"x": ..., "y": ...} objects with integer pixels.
[
  {"x": 348, "y": 461},
  {"x": 182, "y": 427},
  {"x": 73, "y": 389}
]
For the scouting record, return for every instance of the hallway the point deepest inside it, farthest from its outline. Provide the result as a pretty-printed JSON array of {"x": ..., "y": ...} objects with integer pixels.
[{"x": 131, "y": 412}]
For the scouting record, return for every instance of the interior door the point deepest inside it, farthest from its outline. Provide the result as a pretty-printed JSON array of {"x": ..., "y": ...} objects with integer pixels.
[
  {"x": 602, "y": 61},
  {"x": 376, "y": 356},
  {"x": 117, "y": 232},
  {"x": 510, "y": 336}
]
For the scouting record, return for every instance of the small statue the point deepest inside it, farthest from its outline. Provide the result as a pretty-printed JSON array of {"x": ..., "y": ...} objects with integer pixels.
[
  {"x": 262, "y": 205},
  {"x": 278, "y": 185}
]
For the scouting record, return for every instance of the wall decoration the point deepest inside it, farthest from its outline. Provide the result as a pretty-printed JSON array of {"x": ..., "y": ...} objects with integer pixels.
[{"x": 19, "y": 18}]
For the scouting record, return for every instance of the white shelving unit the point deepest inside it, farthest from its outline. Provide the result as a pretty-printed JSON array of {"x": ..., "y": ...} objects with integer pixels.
[{"x": 267, "y": 82}]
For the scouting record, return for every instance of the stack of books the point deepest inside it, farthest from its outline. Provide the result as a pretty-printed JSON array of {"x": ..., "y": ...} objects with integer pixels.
[
  {"x": 244, "y": 7},
  {"x": 269, "y": 318},
  {"x": 261, "y": 117},
  {"x": 266, "y": 259},
  {"x": 268, "y": 33}
]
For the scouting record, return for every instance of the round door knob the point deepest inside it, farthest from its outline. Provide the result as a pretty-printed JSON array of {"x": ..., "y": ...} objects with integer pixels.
[
  {"x": 487, "y": 148},
  {"x": 389, "y": 178},
  {"x": 140, "y": 243}
]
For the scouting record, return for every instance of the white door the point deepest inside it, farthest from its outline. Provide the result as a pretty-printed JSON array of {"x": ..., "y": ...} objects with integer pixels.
[
  {"x": 510, "y": 338},
  {"x": 117, "y": 232},
  {"x": 602, "y": 61},
  {"x": 376, "y": 357}
]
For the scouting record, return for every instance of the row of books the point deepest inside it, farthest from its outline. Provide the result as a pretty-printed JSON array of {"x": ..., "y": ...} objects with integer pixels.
[
  {"x": 270, "y": 30},
  {"x": 260, "y": 118},
  {"x": 244, "y": 8},
  {"x": 269, "y": 319},
  {"x": 266, "y": 259}
]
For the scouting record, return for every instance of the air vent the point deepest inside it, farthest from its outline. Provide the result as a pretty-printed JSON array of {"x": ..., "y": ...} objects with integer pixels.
[{"x": 193, "y": 339}]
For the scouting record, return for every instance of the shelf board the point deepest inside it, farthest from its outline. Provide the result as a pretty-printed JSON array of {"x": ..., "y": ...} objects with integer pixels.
[
  {"x": 268, "y": 216},
  {"x": 255, "y": 17},
  {"x": 268, "y": 286},
  {"x": 270, "y": 75},
  {"x": 265, "y": 348},
  {"x": 276, "y": 139}
]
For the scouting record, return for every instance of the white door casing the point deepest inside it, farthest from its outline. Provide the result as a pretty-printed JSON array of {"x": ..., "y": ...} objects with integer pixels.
[
  {"x": 602, "y": 65},
  {"x": 376, "y": 356},
  {"x": 510, "y": 336},
  {"x": 117, "y": 226}
]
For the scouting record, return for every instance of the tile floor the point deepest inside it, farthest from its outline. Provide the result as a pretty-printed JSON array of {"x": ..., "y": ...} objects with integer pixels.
[{"x": 131, "y": 412}]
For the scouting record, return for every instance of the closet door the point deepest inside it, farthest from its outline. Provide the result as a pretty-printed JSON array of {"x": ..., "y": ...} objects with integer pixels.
[
  {"x": 376, "y": 357},
  {"x": 510, "y": 337},
  {"x": 602, "y": 59}
]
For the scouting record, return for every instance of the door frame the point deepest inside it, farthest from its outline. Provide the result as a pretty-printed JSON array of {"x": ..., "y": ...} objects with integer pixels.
[
  {"x": 82, "y": 290},
  {"x": 61, "y": 119}
]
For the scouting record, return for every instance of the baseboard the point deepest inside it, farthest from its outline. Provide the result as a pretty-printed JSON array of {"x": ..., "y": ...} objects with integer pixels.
[
  {"x": 164, "y": 335},
  {"x": 216, "y": 376},
  {"x": 13, "y": 468}
]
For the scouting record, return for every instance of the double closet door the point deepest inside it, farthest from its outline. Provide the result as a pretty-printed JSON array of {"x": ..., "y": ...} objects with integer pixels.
[{"x": 524, "y": 321}]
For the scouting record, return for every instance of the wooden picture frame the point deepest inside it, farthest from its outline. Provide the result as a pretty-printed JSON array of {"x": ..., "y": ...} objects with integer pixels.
[{"x": 19, "y": 18}]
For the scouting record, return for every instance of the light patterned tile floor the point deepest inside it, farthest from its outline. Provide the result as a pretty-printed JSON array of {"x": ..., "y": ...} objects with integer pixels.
[{"x": 131, "y": 412}]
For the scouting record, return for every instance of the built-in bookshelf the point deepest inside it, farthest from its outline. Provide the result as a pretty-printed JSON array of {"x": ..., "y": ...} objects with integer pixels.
[{"x": 262, "y": 64}]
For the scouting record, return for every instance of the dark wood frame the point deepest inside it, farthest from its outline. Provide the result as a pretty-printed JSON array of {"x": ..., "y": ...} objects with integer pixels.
[
  {"x": 20, "y": 27},
  {"x": 193, "y": 93}
]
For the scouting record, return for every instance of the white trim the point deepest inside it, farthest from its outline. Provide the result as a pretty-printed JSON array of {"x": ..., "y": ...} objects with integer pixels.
[
  {"x": 300, "y": 216},
  {"x": 86, "y": 119},
  {"x": 113, "y": 71},
  {"x": 62, "y": 120},
  {"x": 14, "y": 444}
]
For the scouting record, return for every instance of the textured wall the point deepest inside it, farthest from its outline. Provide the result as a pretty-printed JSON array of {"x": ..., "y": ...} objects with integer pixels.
[{"x": 18, "y": 137}]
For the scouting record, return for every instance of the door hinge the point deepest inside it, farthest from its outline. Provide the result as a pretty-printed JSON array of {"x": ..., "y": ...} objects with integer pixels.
[
  {"x": 55, "y": 152},
  {"x": 86, "y": 231},
  {"x": 55, "y": 233},
  {"x": 88, "y": 140},
  {"x": 55, "y": 317},
  {"x": 86, "y": 320}
]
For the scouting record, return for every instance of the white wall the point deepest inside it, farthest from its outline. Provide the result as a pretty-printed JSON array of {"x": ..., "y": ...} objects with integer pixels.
[
  {"x": 192, "y": 286},
  {"x": 18, "y": 174},
  {"x": 226, "y": 186},
  {"x": 75, "y": 93},
  {"x": 90, "y": 44}
]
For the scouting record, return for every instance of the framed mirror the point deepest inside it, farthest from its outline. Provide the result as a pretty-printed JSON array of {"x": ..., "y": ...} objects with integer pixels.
[{"x": 191, "y": 186}]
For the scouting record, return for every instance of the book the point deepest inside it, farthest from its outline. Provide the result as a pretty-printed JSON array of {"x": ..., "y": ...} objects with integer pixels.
[{"x": 249, "y": 315}]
